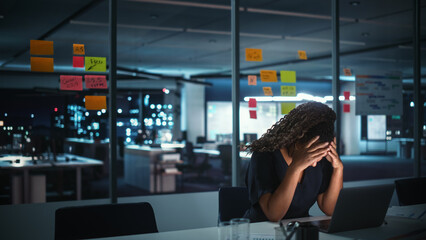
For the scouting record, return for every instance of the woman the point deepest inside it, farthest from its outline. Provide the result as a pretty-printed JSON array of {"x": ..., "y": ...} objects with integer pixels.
[{"x": 294, "y": 164}]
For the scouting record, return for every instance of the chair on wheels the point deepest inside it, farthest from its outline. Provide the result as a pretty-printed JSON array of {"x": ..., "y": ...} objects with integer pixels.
[
  {"x": 411, "y": 191},
  {"x": 233, "y": 202},
  {"x": 107, "y": 220}
]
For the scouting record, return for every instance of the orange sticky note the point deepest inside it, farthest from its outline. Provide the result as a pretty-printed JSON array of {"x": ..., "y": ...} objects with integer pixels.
[
  {"x": 253, "y": 114},
  {"x": 96, "y": 81},
  {"x": 253, "y": 54},
  {"x": 268, "y": 76},
  {"x": 252, "y": 80},
  {"x": 267, "y": 91},
  {"x": 41, "y": 47},
  {"x": 40, "y": 64},
  {"x": 78, "y": 49},
  {"x": 347, "y": 71},
  {"x": 302, "y": 55},
  {"x": 73, "y": 83},
  {"x": 95, "y": 102}
]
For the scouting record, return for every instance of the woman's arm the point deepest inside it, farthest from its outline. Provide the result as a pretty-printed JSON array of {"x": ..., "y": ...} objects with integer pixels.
[
  {"x": 327, "y": 200},
  {"x": 275, "y": 205}
]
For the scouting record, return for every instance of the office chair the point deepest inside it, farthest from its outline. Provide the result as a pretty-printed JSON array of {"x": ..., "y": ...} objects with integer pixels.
[
  {"x": 192, "y": 163},
  {"x": 411, "y": 191},
  {"x": 233, "y": 202},
  {"x": 107, "y": 220}
]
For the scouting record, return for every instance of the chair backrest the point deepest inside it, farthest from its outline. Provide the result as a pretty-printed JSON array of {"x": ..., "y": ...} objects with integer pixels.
[
  {"x": 107, "y": 220},
  {"x": 189, "y": 154},
  {"x": 411, "y": 191},
  {"x": 225, "y": 154},
  {"x": 233, "y": 202}
]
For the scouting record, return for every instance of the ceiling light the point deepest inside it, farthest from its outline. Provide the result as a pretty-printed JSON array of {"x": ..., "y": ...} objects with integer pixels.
[
  {"x": 354, "y": 3},
  {"x": 365, "y": 34}
]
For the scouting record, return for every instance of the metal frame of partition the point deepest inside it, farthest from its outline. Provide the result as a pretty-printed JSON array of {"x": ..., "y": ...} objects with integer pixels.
[{"x": 418, "y": 106}]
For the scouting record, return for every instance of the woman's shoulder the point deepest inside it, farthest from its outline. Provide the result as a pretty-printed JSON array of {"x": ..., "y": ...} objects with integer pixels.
[{"x": 263, "y": 156}]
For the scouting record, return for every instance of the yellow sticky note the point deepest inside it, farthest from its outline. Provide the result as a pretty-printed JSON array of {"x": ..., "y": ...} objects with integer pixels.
[
  {"x": 268, "y": 76},
  {"x": 347, "y": 71},
  {"x": 302, "y": 55},
  {"x": 287, "y": 107},
  {"x": 95, "y": 64},
  {"x": 41, "y": 47},
  {"x": 267, "y": 91},
  {"x": 252, "y": 80},
  {"x": 288, "y": 76},
  {"x": 78, "y": 49},
  {"x": 253, "y": 54},
  {"x": 288, "y": 91},
  {"x": 41, "y": 64},
  {"x": 95, "y": 102}
]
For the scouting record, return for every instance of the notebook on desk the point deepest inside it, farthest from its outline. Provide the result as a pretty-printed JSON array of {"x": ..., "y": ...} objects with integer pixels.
[{"x": 357, "y": 208}]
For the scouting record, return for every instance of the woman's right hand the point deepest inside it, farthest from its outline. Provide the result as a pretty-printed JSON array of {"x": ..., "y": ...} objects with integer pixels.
[{"x": 309, "y": 154}]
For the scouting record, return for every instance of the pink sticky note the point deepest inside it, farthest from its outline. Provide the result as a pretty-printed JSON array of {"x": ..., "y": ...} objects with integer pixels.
[
  {"x": 346, "y": 108},
  {"x": 347, "y": 94},
  {"x": 73, "y": 83},
  {"x": 96, "y": 81},
  {"x": 78, "y": 62},
  {"x": 253, "y": 114},
  {"x": 252, "y": 103},
  {"x": 252, "y": 80}
]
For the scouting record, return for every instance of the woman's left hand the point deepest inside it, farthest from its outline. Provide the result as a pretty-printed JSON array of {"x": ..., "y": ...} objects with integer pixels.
[{"x": 333, "y": 157}]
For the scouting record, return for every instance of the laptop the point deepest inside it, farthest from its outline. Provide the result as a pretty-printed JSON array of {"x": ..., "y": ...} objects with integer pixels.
[{"x": 357, "y": 208}]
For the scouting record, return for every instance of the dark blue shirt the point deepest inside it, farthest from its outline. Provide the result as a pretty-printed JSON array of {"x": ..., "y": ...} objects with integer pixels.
[{"x": 265, "y": 173}]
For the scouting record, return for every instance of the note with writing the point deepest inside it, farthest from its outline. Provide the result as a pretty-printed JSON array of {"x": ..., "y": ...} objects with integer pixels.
[
  {"x": 95, "y": 64},
  {"x": 252, "y": 103},
  {"x": 347, "y": 95},
  {"x": 96, "y": 81},
  {"x": 253, "y": 114},
  {"x": 287, "y": 107},
  {"x": 78, "y": 49},
  {"x": 288, "y": 90},
  {"x": 95, "y": 102},
  {"x": 302, "y": 55},
  {"x": 347, "y": 71},
  {"x": 268, "y": 76},
  {"x": 267, "y": 91},
  {"x": 41, "y": 47},
  {"x": 78, "y": 62},
  {"x": 252, "y": 80},
  {"x": 346, "y": 108},
  {"x": 41, "y": 64},
  {"x": 288, "y": 76},
  {"x": 253, "y": 54},
  {"x": 73, "y": 83}
]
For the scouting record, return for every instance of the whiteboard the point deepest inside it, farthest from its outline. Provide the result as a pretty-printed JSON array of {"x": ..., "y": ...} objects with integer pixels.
[{"x": 378, "y": 96}]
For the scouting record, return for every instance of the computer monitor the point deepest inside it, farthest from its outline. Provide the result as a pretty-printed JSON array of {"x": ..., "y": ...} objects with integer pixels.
[{"x": 249, "y": 137}]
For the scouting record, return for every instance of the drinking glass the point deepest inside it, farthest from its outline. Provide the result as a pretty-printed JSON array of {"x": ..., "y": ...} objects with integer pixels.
[{"x": 240, "y": 228}]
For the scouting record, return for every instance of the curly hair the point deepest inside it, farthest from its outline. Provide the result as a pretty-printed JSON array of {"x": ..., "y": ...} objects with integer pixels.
[{"x": 299, "y": 125}]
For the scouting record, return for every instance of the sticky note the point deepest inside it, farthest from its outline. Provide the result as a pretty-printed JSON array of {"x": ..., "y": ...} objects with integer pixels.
[
  {"x": 253, "y": 114},
  {"x": 346, "y": 108},
  {"x": 288, "y": 76},
  {"x": 267, "y": 91},
  {"x": 78, "y": 62},
  {"x": 41, "y": 47},
  {"x": 96, "y": 81},
  {"x": 253, "y": 54},
  {"x": 96, "y": 64},
  {"x": 288, "y": 90},
  {"x": 347, "y": 95},
  {"x": 95, "y": 102},
  {"x": 41, "y": 64},
  {"x": 252, "y": 102},
  {"x": 287, "y": 107},
  {"x": 74, "y": 83},
  {"x": 252, "y": 80},
  {"x": 302, "y": 55},
  {"x": 268, "y": 76},
  {"x": 347, "y": 71},
  {"x": 78, "y": 49}
]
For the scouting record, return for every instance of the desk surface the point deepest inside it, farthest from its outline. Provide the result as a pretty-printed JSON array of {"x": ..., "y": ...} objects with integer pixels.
[{"x": 9, "y": 162}]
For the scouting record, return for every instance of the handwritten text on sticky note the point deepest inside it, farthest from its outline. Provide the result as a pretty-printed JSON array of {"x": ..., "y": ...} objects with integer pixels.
[
  {"x": 96, "y": 81},
  {"x": 40, "y": 64},
  {"x": 253, "y": 114},
  {"x": 253, "y": 54},
  {"x": 41, "y": 47},
  {"x": 78, "y": 62},
  {"x": 96, "y": 64},
  {"x": 347, "y": 95},
  {"x": 95, "y": 102},
  {"x": 73, "y": 83},
  {"x": 347, "y": 71},
  {"x": 267, "y": 91},
  {"x": 287, "y": 107},
  {"x": 288, "y": 76},
  {"x": 252, "y": 80},
  {"x": 288, "y": 90},
  {"x": 268, "y": 76},
  {"x": 302, "y": 55},
  {"x": 252, "y": 103},
  {"x": 78, "y": 49}
]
